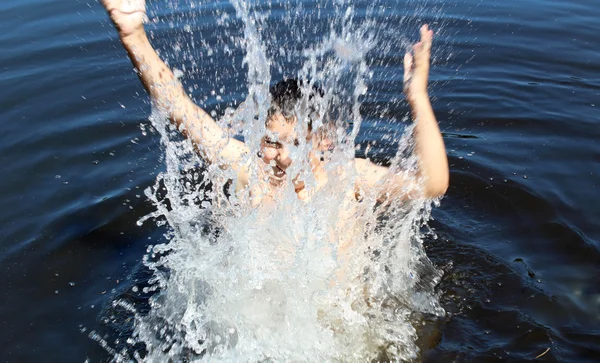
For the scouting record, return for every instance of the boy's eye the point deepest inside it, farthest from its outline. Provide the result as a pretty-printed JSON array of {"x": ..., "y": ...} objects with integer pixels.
[{"x": 272, "y": 143}]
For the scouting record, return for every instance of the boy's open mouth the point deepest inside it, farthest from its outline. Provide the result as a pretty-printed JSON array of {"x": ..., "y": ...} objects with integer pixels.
[{"x": 278, "y": 171}]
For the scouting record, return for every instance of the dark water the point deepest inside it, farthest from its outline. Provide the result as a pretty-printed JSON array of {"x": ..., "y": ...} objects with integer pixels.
[{"x": 516, "y": 90}]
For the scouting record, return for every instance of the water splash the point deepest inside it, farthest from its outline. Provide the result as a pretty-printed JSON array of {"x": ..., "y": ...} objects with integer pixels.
[{"x": 328, "y": 279}]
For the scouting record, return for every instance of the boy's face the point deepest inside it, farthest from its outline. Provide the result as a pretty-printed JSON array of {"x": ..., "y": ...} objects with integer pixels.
[{"x": 281, "y": 136}]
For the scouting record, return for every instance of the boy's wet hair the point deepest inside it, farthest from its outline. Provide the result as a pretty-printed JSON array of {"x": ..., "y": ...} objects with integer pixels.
[{"x": 285, "y": 96}]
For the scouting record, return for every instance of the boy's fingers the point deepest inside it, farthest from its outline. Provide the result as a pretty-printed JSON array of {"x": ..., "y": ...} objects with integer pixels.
[
  {"x": 408, "y": 62},
  {"x": 426, "y": 36},
  {"x": 108, "y": 5},
  {"x": 418, "y": 48},
  {"x": 408, "y": 66},
  {"x": 429, "y": 40},
  {"x": 424, "y": 31}
]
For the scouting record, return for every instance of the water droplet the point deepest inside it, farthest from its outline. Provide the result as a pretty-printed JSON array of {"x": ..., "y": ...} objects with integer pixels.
[
  {"x": 57, "y": 176},
  {"x": 71, "y": 283},
  {"x": 96, "y": 162}
]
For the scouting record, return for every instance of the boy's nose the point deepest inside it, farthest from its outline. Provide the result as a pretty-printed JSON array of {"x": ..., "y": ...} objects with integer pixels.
[{"x": 284, "y": 156}]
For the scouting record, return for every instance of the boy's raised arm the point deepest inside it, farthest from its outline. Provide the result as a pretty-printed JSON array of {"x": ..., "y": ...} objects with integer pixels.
[
  {"x": 429, "y": 144},
  {"x": 165, "y": 90}
]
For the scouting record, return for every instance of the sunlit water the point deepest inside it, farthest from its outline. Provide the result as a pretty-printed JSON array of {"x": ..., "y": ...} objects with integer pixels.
[{"x": 326, "y": 279}]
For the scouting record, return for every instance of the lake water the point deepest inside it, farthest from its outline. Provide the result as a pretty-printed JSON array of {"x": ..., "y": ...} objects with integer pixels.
[{"x": 515, "y": 86}]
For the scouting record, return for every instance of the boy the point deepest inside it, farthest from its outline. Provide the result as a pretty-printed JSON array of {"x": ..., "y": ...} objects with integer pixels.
[{"x": 215, "y": 146}]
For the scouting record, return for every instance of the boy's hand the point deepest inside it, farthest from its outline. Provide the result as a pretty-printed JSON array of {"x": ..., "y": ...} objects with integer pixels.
[
  {"x": 416, "y": 67},
  {"x": 127, "y": 15}
]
